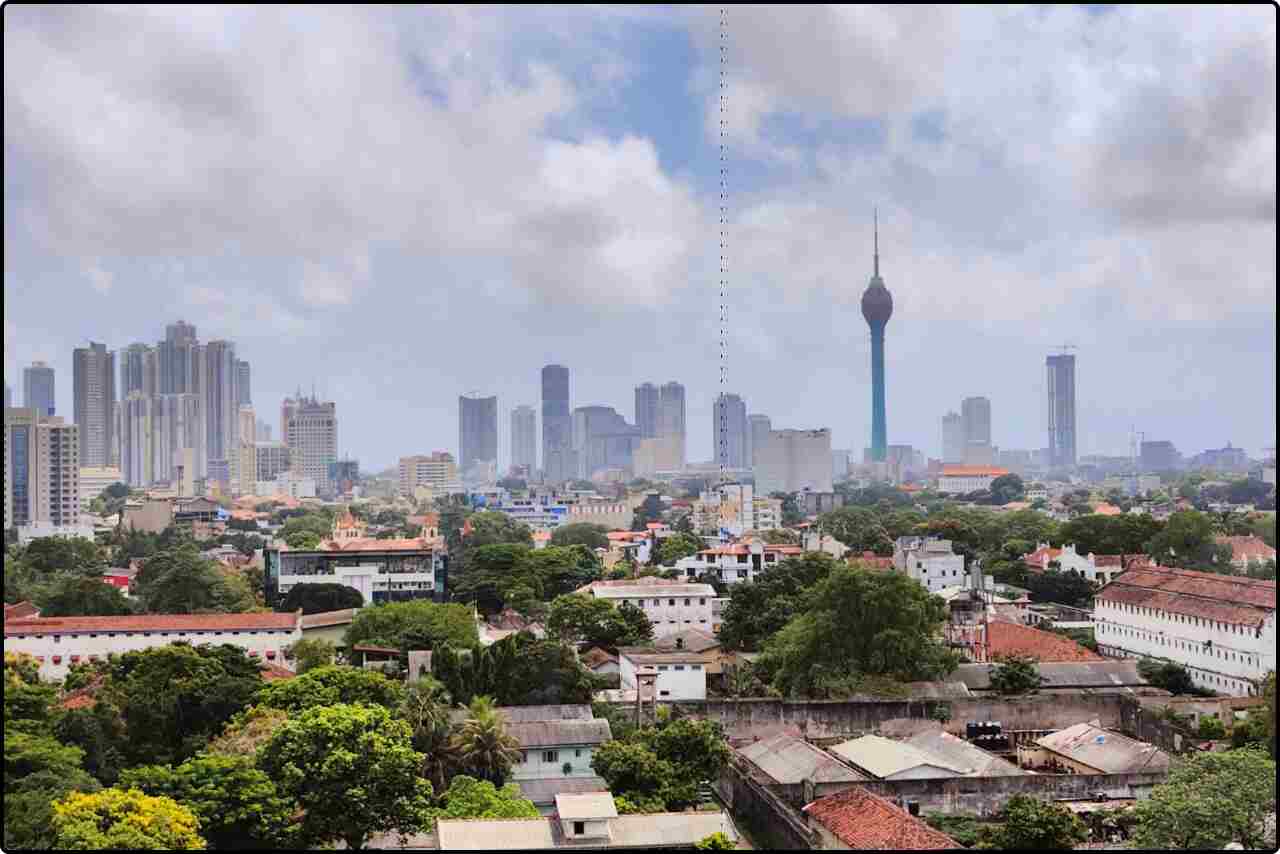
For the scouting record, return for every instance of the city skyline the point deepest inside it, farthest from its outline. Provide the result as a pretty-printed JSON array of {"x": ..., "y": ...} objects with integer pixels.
[{"x": 592, "y": 242}]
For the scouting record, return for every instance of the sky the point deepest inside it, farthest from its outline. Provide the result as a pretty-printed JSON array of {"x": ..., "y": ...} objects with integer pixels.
[{"x": 402, "y": 205}]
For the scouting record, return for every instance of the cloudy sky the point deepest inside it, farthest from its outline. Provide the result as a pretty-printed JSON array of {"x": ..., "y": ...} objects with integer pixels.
[{"x": 404, "y": 205}]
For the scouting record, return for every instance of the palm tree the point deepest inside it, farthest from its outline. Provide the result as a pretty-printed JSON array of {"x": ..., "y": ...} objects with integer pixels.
[
  {"x": 426, "y": 708},
  {"x": 483, "y": 746}
]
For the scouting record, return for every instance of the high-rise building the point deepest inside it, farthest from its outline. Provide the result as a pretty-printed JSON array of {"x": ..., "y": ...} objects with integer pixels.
[
  {"x": 180, "y": 360},
  {"x": 8, "y": 397},
  {"x": 312, "y": 437},
  {"x": 672, "y": 425},
  {"x": 437, "y": 471},
  {"x": 953, "y": 438},
  {"x": 178, "y": 446},
  {"x": 877, "y": 308},
  {"x": 794, "y": 460},
  {"x": 840, "y": 463},
  {"x": 139, "y": 370},
  {"x": 344, "y": 474},
  {"x": 729, "y": 433},
  {"x": 247, "y": 451},
  {"x": 262, "y": 430},
  {"x": 222, "y": 409},
  {"x": 558, "y": 464},
  {"x": 602, "y": 439},
  {"x": 1159, "y": 456},
  {"x": 976, "y": 412},
  {"x": 37, "y": 388},
  {"x": 524, "y": 437},
  {"x": 758, "y": 426},
  {"x": 94, "y": 397},
  {"x": 137, "y": 456},
  {"x": 244, "y": 395},
  {"x": 477, "y": 431},
  {"x": 1061, "y": 369},
  {"x": 41, "y": 469},
  {"x": 647, "y": 408},
  {"x": 272, "y": 459}
]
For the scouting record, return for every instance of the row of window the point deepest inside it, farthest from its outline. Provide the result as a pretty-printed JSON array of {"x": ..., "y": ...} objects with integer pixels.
[
  {"x": 551, "y": 755},
  {"x": 75, "y": 658},
  {"x": 657, "y": 603},
  {"x": 58, "y": 637},
  {"x": 679, "y": 667},
  {"x": 1187, "y": 646},
  {"x": 1232, "y": 628}
]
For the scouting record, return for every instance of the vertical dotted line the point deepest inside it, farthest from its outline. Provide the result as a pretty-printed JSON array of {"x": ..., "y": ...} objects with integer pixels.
[{"x": 724, "y": 266}]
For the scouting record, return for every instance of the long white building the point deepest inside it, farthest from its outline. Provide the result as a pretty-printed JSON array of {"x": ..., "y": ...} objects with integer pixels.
[
  {"x": 736, "y": 562},
  {"x": 1222, "y": 627},
  {"x": 671, "y": 606}
]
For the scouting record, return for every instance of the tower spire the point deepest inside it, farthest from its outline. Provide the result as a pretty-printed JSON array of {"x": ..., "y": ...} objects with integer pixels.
[{"x": 876, "y": 218}]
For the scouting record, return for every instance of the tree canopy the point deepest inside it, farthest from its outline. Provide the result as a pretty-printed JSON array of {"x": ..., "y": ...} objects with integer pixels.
[
  {"x": 518, "y": 670},
  {"x": 757, "y": 611},
  {"x": 416, "y": 624},
  {"x": 320, "y": 597},
  {"x": 124, "y": 820},
  {"x": 1030, "y": 824},
  {"x": 578, "y": 618},
  {"x": 468, "y": 797},
  {"x": 1210, "y": 800},
  {"x": 581, "y": 533},
  {"x": 328, "y": 686}
]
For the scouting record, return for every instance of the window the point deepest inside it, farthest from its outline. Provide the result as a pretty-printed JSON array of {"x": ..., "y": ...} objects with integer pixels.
[
  {"x": 577, "y": 752},
  {"x": 663, "y": 667},
  {"x": 550, "y": 756},
  {"x": 579, "y": 828},
  {"x": 671, "y": 601},
  {"x": 678, "y": 667},
  {"x": 695, "y": 666}
]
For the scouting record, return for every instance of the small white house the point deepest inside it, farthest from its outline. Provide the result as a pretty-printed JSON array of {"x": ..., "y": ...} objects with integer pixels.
[
  {"x": 930, "y": 561},
  {"x": 682, "y": 675},
  {"x": 737, "y": 562}
]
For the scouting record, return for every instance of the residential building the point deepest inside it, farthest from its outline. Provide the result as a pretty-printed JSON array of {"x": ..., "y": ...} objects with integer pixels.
[
  {"x": 1097, "y": 568},
  {"x": 1221, "y": 627},
  {"x": 647, "y": 410},
  {"x": 953, "y": 438},
  {"x": 730, "y": 436},
  {"x": 1246, "y": 551},
  {"x": 929, "y": 561},
  {"x": 222, "y": 408},
  {"x": 272, "y": 461},
  {"x": 788, "y": 760},
  {"x": 671, "y": 606},
  {"x": 94, "y": 397},
  {"x": 737, "y": 561},
  {"x": 729, "y": 509},
  {"x": 931, "y": 754},
  {"x": 41, "y": 470},
  {"x": 437, "y": 471},
  {"x": 60, "y": 642},
  {"x": 244, "y": 385},
  {"x": 524, "y": 438},
  {"x": 663, "y": 455},
  {"x": 136, "y": 457},
  {"x": 1159, "y": 456},
  {"x": 181, "y": 361},
  {"x": 795, "y": 461},
  {"x": 556, "y": 748},
  {"x": 311, "y": 433},
  {"x": 580, "y": 821},
  {"x": 95, "y": 479},
  {"x": 37, "y": 388},
  {"x": 817, "y": 503},
  {"x": 681, "y": 675},
  {"x": 993, "y": 640},
  {"x": 857, "y": 820},
  {"x": 558, "y": 464},
  {"x": 758, "y": 426},
  {"x": 961, "y": 480},
  {"x": 976, "y": 413},
  {"x": 477, "y": 431},
  {"x": 179, "y": 449},
  {"x": 262, "y": 430},
  {"x": 1088, "y": 749},
  {"x": 1061, "y": 370}
]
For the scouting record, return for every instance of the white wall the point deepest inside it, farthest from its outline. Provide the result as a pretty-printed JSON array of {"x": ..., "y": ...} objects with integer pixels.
[
  {"x": 535, "y": 766},
  {"x": 668, "y": 618},
  {"x": 684, "y": 681}
]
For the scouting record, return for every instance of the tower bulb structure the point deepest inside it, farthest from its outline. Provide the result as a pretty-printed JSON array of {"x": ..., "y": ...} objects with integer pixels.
[{"x": 877, "y": 308}]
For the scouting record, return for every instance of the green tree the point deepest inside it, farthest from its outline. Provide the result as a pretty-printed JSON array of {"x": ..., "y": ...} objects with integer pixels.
[
  {"x": 1171, "y": 676},
  {"x": 581, "y": 533},
  {"x": 98, "y": 731},
  {"x": 632, "y": 770},
  {"x": 696, "y": 748},
  {"x": 28, "y": 805},
  {"x": 180, "y": 581},
  {"x": 781, "y": 536},
  {"x": 715, "y": 842},
  {"x": 676, "y": 546},
  {"x": 468, "y": 797},
  {"x": 482, "y": 744},
  {"x": 247, "y": 731},
  {"x": 491, "y": 528},
  {"x": 1006, "y": 488},
  {"x": 859, "y": 528},
  {"x": 757, "y": 611},
  {"x": 354, "y": 772},
  {"x": 1064, "y": 588},
  {"x": 563, "y": 569},
  {"x": 78, "y": 596},
  {"x": 854, "y": 624},
  {"x": 1210, "y": 800},
  {"x": 1030, "y": 824},
  {"x": 328, "y": 686},
  {"x": 28, "y": 700},
  {"x": 73, "y": 555},
  {"x": 237, "y": 805},
  {"x": 489, "y": 572},
  {"x": 320, "y": 597},
  {"x": 1187, "y": 541},
  {"x": 426, "y": 709},
  {"x": 416, "y": 624},
  {"x": 1015, "y": 674},
  {"x": 127, "y": 820},
  {"x": 305, "y": 531},
  {"x": 310, "y": 653},
  {"x": 579, "y": 618}
]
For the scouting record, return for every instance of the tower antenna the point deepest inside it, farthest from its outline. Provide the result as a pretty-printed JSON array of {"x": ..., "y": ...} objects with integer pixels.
[{"x": 875, "y": 215}]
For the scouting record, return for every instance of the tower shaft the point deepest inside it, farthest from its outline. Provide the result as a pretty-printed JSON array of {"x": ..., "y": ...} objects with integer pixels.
[{"x": 879, "y": 432}]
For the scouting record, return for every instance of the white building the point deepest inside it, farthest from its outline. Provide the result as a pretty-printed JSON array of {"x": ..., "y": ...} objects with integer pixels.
[
  {"x": 1222, "y": 627},
  {"x": 736, "y": 562},
  {"x": 961, "y": 480},
  {"x": 36, "y": 530},
  {"x": 681, "y": 675},
  {"x": 929, "y": 561},
  {"x": 794, "y": 460},
  {"x": 557, "y": 749},
  {"x": 670, "y": 605},
  {"x": 59, "y": 642},
  {"x": 437, "y": 471},
  {"x": 288, "y": 483},
  {"x": 41, "y": 469},
  {"x": 93, "y": 480},
  {"x": 729, "y": 508}
]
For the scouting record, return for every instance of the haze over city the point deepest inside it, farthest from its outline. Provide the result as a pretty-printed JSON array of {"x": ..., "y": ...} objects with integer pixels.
[{"x": 402, "y": 206}]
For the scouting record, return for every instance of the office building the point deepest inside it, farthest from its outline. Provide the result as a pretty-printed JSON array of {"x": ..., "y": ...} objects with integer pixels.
[
  {"x": 477, "y": 431},
  {"x": 524, "y": 438},
  {"x": 272, "y": 459},
  {"x": 647, "y": 410},
  {"x": 729, "y": 432},
  {"x": 345, "y": 475},
  {"x": 1061, "y": 369},
  {"x": 953, "y": 438},
  {"x": 41, "y": 470},
  {"x": 877, "y": 308},
  {"x": 671, "y": 422},
  {"x": 758, "y": 426},
  {"x": 437, "y": 471},
  {"x": 558, "y": 464},
  {"x": 37, "y": 388},
  {"x": 663, "y": 455},
  {"x": 976, "y": 413},
  {"x": 603, "y": 439},
  {"x": 312, "y": 436},
  {"x": 244, "y": 395},
  {"x": 139, "y": 370},
  {"x": 94, "y": 389},
  {"x": 1159, "y": 456},
  {"x": 671, "y": 606},
  {"x": 795, "y": 460}
]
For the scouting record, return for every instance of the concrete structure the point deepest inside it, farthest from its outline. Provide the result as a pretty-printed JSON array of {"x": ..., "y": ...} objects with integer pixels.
[
  {"x": 877, "y": 308},
  {"x": 737, "y": 561},
  {"x": 543, "y": 793},
  {"x": 37, "y": 388},
  {"x": 311, "y": 432},
  {"x": 672, "y": 426},
  {"x": 1247, "y": 551},
  {"x": 681, "y": 675},
  {"x": 41, "y": 469},
  {"x": 961, "y": 480},
  {"x": 39, "y": 530},
  {"x": 885, "y": 759},
  {"x": 602, "y": 439},
  {"x": 437, "y": 471},
  {"x": 646, "y": 411},
  {"x": 663, "y": 455},
  {"x": 1061, "y": 370},
  {"x": 593, "y": 824},
  {"x": 1087, "y": 748},
  {"x": 477, "y": 431},
  {"x": 1097, "y": 568},
  {"x": 953, "y": 438},
  {"x": 671, "y": 606},
  {"x": 244, "y": 384},
  {"x": 59, "y": 642},
  {"x": 222, "y": 408},
  {"x": 273, "y": 460},
  {"x": 758, "y": 426},
  {"x": 93, "y": 480},
  {"x": 94, "y": 397},
  {"x": 929, "y": 561},
  {"x": 976, "y": 414},
  {"x": 728, "y": 509},
  {"x": 557, "y": 426},
  {"x": 794, "y": 461},
  {"x": 858, "y": 820},
  {"x": 729, "y": 433},
  {"x": 1221, "y": 627},
  {"x": 524, "y": 438},
  {"x": 556, "y": 748},
  {"x": 1159, "y": 455}
]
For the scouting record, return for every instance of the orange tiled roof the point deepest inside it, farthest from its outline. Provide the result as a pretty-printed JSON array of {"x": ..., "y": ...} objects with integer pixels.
[
  {"x": 868, "y": 822},
  {"x": 1207, "y": 595},
  {"x": 871, "y": 560},
  {"x": 372, "y": 544},
  {"x": 1247, "y": 548},
  {"x": 1004, "y": 638},
  {"x": 1105, "y": 509},
  {"x": 973, "y": 471},
  {"x": 20, "y": 611},
  {"x": 152, "y": 622},
  {"x": 1036, "y": 559}
]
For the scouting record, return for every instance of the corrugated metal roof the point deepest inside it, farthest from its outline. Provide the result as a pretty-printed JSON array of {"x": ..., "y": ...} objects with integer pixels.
[
  {"x": 884, "y": 757},
  {"x": 961, "y": 754},
  {"x": 669, "y": 829},
  {"x": 534, "y": 734},
  {"x": 543, "y": 791},
  {"x": 487, "y": 834},
  {"x": 1109, "y": 752},
  {"x": 586, "y": 805},
  {"x": 1063, "y": 674},
  {"x": 787, "y": 759},
  {"x": 526, "y": 714}
]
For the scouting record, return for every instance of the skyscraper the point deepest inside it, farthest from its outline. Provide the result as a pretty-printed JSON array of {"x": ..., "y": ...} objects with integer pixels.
[
  {"x": 139, "y": 370},
  {"x": 41, "y": 469},
  {"x": 222, "y": 411},
  {"x": 37, "y": 388},
  {"x": 180, "y": 360},
  {"x": 976, "y": 412},
  {"x": 671, "y": 421},
  {"x": 759, "y": 427},
  {"x": 244, "y": 395},
  {"x": 953, "y": 438},
  {"x": 557, "y": 426},
  {"x": 793, "y": 460},
  {"x": 877, "y": 308},
  {"x": 729, "y": 432},
  {"x": 647, "y": 410},
  {"x": 524, "y": 437},
  {"x": 477, "y": 431},
  {"x": 94, "y": 397},
  {"x": 137, "y": 455},
  {"x": 1062, "y": 409},
  {"x": 311, "y": 433},
  {"x": 602, "y": 439}
]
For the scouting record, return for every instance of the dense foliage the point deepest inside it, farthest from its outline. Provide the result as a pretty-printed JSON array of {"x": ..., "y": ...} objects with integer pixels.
[
  {"x": 320, "y": 597},
  {"x": 518, "y": 670},
  {"x": 416, "y": 624},
  {"x": 1210, "y": 800}
]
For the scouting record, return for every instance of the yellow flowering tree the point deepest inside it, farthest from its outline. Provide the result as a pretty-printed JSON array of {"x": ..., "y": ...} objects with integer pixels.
[{"x": 123, "y": 819}]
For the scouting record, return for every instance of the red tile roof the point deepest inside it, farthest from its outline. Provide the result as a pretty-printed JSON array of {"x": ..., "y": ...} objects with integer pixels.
[
  {"x": 1207, "y": 595},
  {"x": 372, "y": 544},
  {"x": 973, "y": 471},
  {"x": 868, "y": 822},
  {"x": 870, "y": 560},
  {"x": 152, "y": 622},
  {"x": 20, "y": 611},
  {"x": 1120, "y": 561},
  {"x": 1005, "y": 638},
  {"x": 1248, "y": 548}
]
